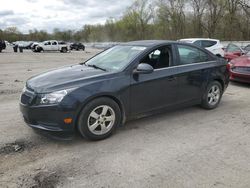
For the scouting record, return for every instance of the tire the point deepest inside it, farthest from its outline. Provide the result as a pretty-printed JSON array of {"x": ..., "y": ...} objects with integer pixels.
[
  {"x": 212, "y": 96},
  {"x": 99, "y": 119},
  {"x": 39, "y": 49},
  {"x": 64, "y": 50}
]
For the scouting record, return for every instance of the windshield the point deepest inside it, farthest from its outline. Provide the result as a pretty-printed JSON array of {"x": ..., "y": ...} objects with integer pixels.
[
  {"x": 233, "y": 48},
  {"x": 115, "y": 58}
]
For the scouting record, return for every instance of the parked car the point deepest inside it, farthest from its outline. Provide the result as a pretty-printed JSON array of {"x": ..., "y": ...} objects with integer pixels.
[
  {"x": 77, "y": 46},
  {"x": 240, "y": 69},
  {"x": 23, "y": 44},
  {"x": 124, "y": 82},
  {"x": 51, "y": 45},
  {"x": 233, "y": 51},
  {"x": 2, "y": 45},
  {"x": 247, "y": 48},
  {"x": 212, "y": 45},
  {"x": 33, "y": 46},
  {"x": 28, "y": 46}
]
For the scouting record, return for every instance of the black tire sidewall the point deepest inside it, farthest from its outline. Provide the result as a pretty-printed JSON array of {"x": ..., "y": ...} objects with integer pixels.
[
  {"x": 205, "y": 103},
  {"x": 64, "y": 50},
  {"x": 83, "y": 118}
]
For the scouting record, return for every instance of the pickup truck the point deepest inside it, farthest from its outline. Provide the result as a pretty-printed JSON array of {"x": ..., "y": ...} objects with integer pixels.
[
  {"x": 2, "y": 45},
  {"x": 52, "y": 45}
]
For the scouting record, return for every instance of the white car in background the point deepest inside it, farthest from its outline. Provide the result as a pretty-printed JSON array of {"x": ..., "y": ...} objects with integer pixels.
[
  {"x": 212, "y": 45},
  {"x": 52, "y": 45}
]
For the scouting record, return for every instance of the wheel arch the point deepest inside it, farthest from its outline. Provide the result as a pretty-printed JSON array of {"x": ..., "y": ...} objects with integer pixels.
[
  {"x": 221, "y": 82},
  {"x": 112, "y": 97}
]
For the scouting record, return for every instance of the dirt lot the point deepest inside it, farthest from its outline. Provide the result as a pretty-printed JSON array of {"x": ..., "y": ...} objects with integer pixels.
[{"x": 189, "y": 147}]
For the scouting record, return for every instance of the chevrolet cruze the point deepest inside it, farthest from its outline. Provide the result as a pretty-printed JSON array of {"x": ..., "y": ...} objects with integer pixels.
[{"x": 124, "y": 82}]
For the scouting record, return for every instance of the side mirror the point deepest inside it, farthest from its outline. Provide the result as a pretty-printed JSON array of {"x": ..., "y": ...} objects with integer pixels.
[
  {"x": 243, "y": 52},
  {"x": 144, "y": 68}
]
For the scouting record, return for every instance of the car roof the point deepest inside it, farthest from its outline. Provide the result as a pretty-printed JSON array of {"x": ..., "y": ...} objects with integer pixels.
[
  {"x": 195, "y": 39},
  {"x": 148, "y": 43}
]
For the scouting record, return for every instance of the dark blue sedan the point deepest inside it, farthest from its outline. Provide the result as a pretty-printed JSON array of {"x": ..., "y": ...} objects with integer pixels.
[{"x": 129, "y": 80}]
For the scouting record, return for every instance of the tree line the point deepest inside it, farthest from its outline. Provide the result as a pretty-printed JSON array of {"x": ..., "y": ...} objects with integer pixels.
[{"x": 158, "y": 19}]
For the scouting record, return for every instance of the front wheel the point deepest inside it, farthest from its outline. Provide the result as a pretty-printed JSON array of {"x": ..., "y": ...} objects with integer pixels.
[
  {"x": 212, "y": 96},
  {"x": 99, "y": 118}
]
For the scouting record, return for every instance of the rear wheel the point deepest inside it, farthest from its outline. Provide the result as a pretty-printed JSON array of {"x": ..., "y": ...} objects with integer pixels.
[
  {"x": 212, "y": 96},
  {"x": 39, "y": 49},
  {"x": 99, "y": 118},
  {"x": 64, "y": 50}
]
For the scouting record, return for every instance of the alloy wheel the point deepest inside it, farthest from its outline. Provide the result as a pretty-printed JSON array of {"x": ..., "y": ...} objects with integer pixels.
[
  {"x": 213, "y": 95},
  {"x": 101, "y": 120}
]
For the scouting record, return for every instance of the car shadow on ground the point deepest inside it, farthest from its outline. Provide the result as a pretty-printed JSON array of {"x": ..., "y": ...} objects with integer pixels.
[
  {"x": 164, "y": 120},
  {"x": 140, "y": 123},
  {"x": 240, "y": 84}
]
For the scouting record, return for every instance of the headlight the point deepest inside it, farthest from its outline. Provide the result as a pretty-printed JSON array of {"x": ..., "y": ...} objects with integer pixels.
[
  {"x": 54, "y": 97},
  {"x": 231, "y": 65}
]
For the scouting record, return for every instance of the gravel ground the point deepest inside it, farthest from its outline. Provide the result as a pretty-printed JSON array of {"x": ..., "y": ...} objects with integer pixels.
[{"x": 188, "y": 147}]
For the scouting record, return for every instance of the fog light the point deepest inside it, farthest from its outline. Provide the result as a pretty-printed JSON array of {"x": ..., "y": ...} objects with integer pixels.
[{"x": 68, "y": 120}]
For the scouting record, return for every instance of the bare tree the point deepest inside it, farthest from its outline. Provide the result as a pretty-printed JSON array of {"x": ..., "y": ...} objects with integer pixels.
[
  {"x": 172, "y": 13},
  {"x": 141, "y": 12},
  {"x": 198, "y": 11},
  {"x": 245, "y": 4},
  {"x": 213, "y": 14}
]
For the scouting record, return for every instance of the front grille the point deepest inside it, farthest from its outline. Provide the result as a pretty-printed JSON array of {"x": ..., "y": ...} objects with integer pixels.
[{"x": 242, "y": 70}]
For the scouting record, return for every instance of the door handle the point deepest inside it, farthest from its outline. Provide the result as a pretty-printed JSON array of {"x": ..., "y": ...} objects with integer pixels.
[{"x": 171, "y": 78}]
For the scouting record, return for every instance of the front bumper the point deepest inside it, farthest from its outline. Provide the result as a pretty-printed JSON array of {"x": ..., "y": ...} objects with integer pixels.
[
  {"x": 239, "y": 77},
  {"x": 48, "y": 118}
]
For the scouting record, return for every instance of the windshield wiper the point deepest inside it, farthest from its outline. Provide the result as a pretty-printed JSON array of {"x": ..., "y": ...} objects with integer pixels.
[{"x": 96, "y": 67}]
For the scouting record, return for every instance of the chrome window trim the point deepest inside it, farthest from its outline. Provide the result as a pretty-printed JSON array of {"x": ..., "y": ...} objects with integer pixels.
[{"x": 205, "y": 62}]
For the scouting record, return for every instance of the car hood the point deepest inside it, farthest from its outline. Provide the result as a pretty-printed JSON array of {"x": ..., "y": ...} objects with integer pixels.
[
  {"x": 63, "y": 78},
  {"x": 243, "y": 61}
]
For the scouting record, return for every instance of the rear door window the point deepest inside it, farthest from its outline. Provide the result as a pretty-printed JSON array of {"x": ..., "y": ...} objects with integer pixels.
[
  {"x": 207, "y": 43},
  {"x": 189, "y": 55},
  {"x": 197, "y": 43}
]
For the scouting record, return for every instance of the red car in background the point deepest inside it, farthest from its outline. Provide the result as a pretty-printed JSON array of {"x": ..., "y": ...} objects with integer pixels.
[
  {"x": 240, "y": 69},
  {"x": 233, "y": 51}
]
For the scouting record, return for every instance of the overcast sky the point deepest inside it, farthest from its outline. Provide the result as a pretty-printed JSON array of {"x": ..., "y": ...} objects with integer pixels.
[{"x": 62, "y": 14}]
